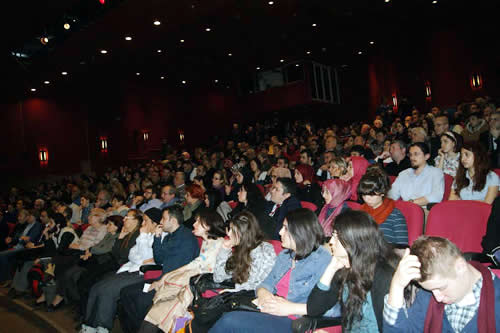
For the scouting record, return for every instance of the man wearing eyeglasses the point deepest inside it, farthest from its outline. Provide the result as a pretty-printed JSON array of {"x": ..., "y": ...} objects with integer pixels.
[{"x": 149, "y": 200}]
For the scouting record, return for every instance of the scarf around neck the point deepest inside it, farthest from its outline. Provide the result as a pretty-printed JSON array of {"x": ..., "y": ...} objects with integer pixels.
[{"x": 380, "y": 213}]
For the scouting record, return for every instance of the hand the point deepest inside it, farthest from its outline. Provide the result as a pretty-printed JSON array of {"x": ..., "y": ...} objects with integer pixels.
[
  {"x": 227, "y": 188},
  {"x": 37, "y": 261},
  {"x": 277, "y": 306},
  {"x": 148, "y": 261},
  {"x": 30, "y": 245},
  {"x": 337, "y": 263},
  {"x": 24, "y": 238},
  {"x": 440, "y": 152},
  {"x": 408, "y": 269},
  {"x": 385, "y": 155},
  {"x": 75, "y": 246},
  {"x": 8, "y": 240},
  {"x": 154, "y": 286},
  {"x": 158, "y": 230},
  {"x": 324, "y": 167}
]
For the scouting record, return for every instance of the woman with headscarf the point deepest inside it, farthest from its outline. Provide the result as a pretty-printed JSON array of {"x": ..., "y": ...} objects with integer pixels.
[
  {"x": 335, "y": 192},
  {"x": 307, "y": 189},
  {"x": 356, "y": 169}
]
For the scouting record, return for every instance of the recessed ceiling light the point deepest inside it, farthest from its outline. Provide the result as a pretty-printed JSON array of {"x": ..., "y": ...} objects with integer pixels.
[
  {"x": 183, "y": 82},
  {"x": 372, "y": 42},
  {"x": 360, "y": 52},
  {"x": 104, "y": 51},
  {"x": 308, "y": 52},
  {"x": 64, "y": 73},
  {"x": 208, "y": 29},
  {"x": 156, "y": 22},
  {"x": 33, "y": 89},
  {"x": 258, "y": 68},
  {"x": 128, "y": 38},
  {"x": 216, "y": 80},
  {"x": 182, "y": 40},
  {"x": 434, "y": 2},
  {"x": 281, "y": 60},
  {"x": 314, "y": 25},
  {"x": 297, "y": 65},
  {"x": 387, "y": 0},
  {"x": 271, "y": 3},
  {"x": 46, "y": 82},
  {"x": 162, "y": 77},
  {"x": 66, "y": 26},
  {"x": 137, "y": 73},
  {"x": 230, "y": 54},
  {"x": 159, "y": 51}
]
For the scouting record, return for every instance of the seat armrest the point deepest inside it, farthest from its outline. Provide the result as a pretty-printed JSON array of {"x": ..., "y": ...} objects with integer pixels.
[
  {"x": 309, "y": 324},
  {"x": 146, "y": 268}
]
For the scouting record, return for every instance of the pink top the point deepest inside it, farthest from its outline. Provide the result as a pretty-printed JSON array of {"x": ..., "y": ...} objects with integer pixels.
[{"x": 282, "y": 288}]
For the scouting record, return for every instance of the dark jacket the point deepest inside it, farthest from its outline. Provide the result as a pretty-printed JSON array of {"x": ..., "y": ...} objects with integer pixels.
[
  {"x": 393, "y": 169},
  {"x": 486, "y": 139},
  {"x": 258, "y": 209},
  {"x": 311, "y": 193},
  {"x": 176, "y": 250},
  {"x": 288, "y": 205},
  {"x": 320, "y": 301}
]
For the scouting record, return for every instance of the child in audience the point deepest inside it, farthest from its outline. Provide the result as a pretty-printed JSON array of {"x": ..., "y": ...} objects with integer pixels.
[{"x": 448, "y": 158}]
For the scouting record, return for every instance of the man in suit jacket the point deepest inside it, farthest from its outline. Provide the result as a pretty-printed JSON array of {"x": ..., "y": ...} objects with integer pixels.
[{"x": 283, "y": 200}]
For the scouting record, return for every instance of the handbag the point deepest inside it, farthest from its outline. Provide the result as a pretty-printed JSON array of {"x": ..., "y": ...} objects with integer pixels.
[
  {"x": 203, "y": 282},
  {"x": 208, "y": 310}
]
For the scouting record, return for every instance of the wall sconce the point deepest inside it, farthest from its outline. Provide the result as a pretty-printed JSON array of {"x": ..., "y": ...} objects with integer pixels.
[
  {"x": 428, "y": 92},
  {"x": 103, "y": 144},
  {"x": 476, "y": 81},
  {"x": 394, "y": 102},
  {"x": 145, "y": 135},
  {"x": 43, "y": 155},
  {"x": 181, "y": 135}
]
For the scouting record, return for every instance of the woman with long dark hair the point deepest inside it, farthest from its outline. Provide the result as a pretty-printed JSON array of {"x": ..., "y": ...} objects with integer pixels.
[
  {"x": 285, "y": 290},
  {"x": 358, "y": 276},
  {"x": 474, "y": 180},
  {"x": 307, "y": 189},
  {"x": 244, "y": 256},
  {"x": 250, "y": 198}
]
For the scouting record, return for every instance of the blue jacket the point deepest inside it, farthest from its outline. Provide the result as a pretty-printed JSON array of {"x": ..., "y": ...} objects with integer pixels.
[
  {"x": 176, "y": 250},
  {"x": 304, "y": 276},
  {"x": 418, "y": 311}
]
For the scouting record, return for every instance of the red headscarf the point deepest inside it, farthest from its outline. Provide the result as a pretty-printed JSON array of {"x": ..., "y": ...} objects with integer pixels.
[
  {"x": 359, "y": 166},
  {"x": 307, "y": 173},
  {"x": 340, "y": 191}
]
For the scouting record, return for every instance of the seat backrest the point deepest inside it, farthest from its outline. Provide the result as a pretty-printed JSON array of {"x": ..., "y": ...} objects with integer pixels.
[
  {"x": 353, "y": 205},
  {"x": 11, "y": 227},
  {"x": 308, "y": 205},
  {"x": 233, "y": 204},
  {"x": 461, "y": 221},
  {"x": 277, "y": 245},
  {"x": 392, "y": 178},
  {"x": 448, "y": 182},
  {"x": 200, "y": 241},
  {"x": 262, "y": 189},
  {"x": 414, "y": 216},
  {"x": 497, "y": 171}
]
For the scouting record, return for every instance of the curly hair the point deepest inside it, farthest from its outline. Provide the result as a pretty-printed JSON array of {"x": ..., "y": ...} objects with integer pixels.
[
  {"x": 480, "y": 167},
  {"x": 246, "y": 227},
  {"x": 366, "y": 248}
]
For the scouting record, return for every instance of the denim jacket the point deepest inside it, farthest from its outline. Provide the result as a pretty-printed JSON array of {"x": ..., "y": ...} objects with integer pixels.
[{"x": 304, "y": 276}]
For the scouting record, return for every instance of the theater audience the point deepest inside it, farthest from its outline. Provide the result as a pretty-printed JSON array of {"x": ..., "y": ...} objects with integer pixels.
[
  {"x": 259, "y": 175},
  {"x": 355, "y": 170},
  {"x": 422, "y": 183},
  {"x": 283, "y": 294},
  {"x": 400, "y": 160},
  {"x": 358, "y": 275},
  {"x": 491, "y": 140},
  {"x": 337, "y": 167},
  {"x": 474, "y": 180},
  {"x": 457, "y": 296},
  {"x": 149, "y": 200},
  {"x": 195, "y": 197},
  {"x": 474, "y": 126}
]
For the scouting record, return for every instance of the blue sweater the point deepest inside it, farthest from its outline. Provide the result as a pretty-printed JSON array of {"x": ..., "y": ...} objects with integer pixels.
[
  {"x": 394, "y": 228},
  {"x": 176, "y": 250},
  {"x": 417, "y": 312}
]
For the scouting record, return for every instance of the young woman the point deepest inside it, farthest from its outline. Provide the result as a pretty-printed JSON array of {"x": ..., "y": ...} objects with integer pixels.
[
  {"x": 285, "y": 290},
  {"x": 194, "y": 202},
  {"x": 214, "y": 202},
  {"x": 373, "y": 189},
  {"x": 307, "y": 190},
  {"x": 259, "y": 176},
  {"x": 448, "y": 157},
  {"x": 356, "y": 168},
  {"x": 219, "y": 182},
  {"x": 250, "y": 198},
  {"x": 474, "y": 181},
  {"x": 244, "y": 256},
  {"x": 358, "y": 276},
  {"x": 335, "y": 192}
]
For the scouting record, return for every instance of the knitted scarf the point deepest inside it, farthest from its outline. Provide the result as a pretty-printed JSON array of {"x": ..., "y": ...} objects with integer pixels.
[{"x": 380, "y": 213}]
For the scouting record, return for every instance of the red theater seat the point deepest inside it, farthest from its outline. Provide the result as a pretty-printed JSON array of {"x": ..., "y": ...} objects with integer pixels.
[
  {"x": 308, "y": 205},
  {"x": 414, "y": 216},
  {"x": 448, "y": 182},
  {"x": 353, "y": 205}
]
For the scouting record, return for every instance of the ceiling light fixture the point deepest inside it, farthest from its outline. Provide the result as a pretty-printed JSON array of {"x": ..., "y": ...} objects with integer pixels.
[
  {"x": 230, "y": 54},
  {"x": 434, "y": 2},
  {"x": 104, "y": 51},
  {"x": 271, "y": 3},
  {"x": 372, "y": 42},
  {"x": 297, "y": 65},
  {"x": 156, "y": 22},
  {"x": 308, "y": 52},
  {"x": 258, "y": 68},
  {"x": 183, "y": 82},
  {"x": 208, "y": 29},
  {"x": 46, "y": 82},
  {"x": 44, "y": 40},
  {"x": 162, "y": 77},
  {"x": 360, "y": 52},
  {"x": 137, "y": 73},
  {"x": 216, "y": 80},
  {"x": 64, "y": 73},
  {"x": 314, "y": 25},
  {"x": 159, "y": 51},
  {"x": 33, "y": 89},
  {"x": 182, "y": 41},
  {"x": 281, "y": 60},
  {"x": 128, "y": 38},
  {"x": 387, "y": 1},
  {"x": 66, "y": 26}
]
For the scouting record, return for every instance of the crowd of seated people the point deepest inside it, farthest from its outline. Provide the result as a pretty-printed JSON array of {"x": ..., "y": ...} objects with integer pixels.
[{"x": 327, "y": 195}]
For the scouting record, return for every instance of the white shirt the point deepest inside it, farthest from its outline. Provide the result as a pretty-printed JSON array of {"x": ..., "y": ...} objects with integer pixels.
[
  {"x": 467, "y": 193},
  {"x": 142, "y": 250},
  {"x": 429, "y": 184}
]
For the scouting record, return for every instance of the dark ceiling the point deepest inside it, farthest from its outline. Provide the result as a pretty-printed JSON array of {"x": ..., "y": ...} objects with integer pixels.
[{"x": 256, "y": 33}]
